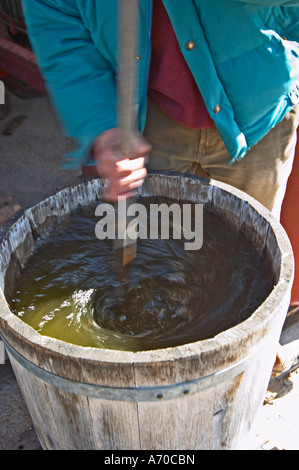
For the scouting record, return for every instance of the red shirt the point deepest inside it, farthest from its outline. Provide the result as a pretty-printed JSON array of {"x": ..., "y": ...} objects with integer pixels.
[{"x": 171, "y": 84}]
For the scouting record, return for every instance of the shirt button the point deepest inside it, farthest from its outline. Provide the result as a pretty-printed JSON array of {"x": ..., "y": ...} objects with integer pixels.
[
  {"x": 138, "y": 57},
  {"x": 190, "y": 45},
  {"x": 217, "y": 109}
]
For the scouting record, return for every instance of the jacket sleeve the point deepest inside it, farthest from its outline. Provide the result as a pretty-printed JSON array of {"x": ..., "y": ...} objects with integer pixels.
[
  {"x": 271, "y": 3},
  {"x": 284, "y": 19},
  {"x": 79, "y": 80}
]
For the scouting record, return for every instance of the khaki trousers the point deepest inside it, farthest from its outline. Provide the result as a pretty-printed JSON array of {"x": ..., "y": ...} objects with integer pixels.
[{"x": 262, "y": 173}]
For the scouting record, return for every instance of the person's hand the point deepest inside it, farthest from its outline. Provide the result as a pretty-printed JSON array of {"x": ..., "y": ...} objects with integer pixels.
[{"x": 124, "y": 175}]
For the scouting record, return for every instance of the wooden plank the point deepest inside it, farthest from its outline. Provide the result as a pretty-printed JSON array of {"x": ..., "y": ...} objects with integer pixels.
[
  {"x": 20, "y": 63},
  {"x": 71, "y": 414},
  {"x": 116, "y": 425},
  {"x": 39, "y": 406}
]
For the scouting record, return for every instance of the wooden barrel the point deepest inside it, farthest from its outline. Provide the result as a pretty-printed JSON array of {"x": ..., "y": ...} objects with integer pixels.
[
  {"x": 202, "y": 395},
  {"x": 289, "y": 219}
]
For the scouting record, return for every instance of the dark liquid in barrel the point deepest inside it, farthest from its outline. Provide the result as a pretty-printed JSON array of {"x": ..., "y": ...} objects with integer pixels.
[{"x": 71, "y": 288}]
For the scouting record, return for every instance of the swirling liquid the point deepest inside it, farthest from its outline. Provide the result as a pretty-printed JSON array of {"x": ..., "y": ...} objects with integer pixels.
[{"x": 70, "y": 288}]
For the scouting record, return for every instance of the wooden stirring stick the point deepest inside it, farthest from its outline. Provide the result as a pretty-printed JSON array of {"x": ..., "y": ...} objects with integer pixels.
[{"x": 128, "y": 104}]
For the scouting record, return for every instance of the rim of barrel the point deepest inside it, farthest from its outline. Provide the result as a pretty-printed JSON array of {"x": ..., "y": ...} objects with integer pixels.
[{"x": 282, "y": 290}]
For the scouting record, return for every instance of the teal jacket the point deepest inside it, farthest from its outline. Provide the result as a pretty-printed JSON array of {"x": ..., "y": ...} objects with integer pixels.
[{"x": 245, "y": 62}]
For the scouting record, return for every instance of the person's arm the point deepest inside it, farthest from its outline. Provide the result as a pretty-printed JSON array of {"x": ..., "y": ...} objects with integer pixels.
[
  {"x": 82, "y": 85},
  {"x": 79, "y": 80}
]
